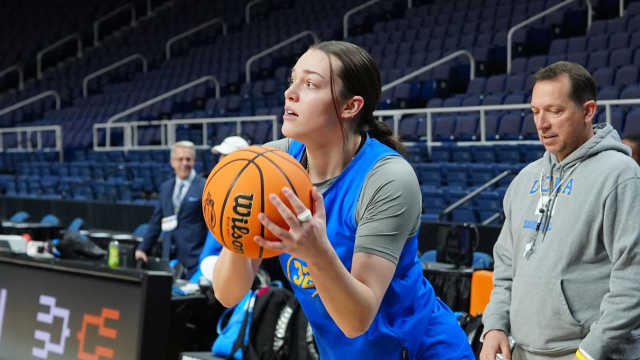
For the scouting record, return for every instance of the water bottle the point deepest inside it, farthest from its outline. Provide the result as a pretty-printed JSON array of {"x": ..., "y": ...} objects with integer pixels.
[{"x": 114, "y": 254}]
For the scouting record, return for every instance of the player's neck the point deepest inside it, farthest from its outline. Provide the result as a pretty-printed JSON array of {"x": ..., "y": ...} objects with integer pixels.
[{"x": 328, "y": 161}]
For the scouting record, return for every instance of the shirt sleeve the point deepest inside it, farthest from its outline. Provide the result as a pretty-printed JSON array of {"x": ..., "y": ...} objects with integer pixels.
[
  {"x": 620, "y": 307},
  {"x": 388, "y": 210},
  {"x": 280, "y": 144}
]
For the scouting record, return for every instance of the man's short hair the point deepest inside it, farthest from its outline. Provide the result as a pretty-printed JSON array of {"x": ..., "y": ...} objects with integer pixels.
[
  {"x": 184, "y": 144},
  {"x": 583, "y": 87}
]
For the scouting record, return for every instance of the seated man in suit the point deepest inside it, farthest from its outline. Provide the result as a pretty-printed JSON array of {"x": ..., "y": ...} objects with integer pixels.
[{"x": 179, "y": 213}]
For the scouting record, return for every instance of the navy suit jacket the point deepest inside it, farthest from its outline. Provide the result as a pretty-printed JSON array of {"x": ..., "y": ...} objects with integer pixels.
[{"x": 191, "y": 232}]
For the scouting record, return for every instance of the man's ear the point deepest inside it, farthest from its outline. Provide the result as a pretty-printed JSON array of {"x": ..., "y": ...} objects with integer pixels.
[
  {"x": 352, "y": 107},
  {"x": 589, "y": 109}
]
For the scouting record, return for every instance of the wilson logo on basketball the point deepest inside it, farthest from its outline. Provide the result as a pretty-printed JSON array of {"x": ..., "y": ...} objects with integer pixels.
[{"x": 242, "y": 210}]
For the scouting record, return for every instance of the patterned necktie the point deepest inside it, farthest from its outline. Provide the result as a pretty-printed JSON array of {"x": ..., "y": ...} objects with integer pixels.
[{"x": 177, "y": 196}]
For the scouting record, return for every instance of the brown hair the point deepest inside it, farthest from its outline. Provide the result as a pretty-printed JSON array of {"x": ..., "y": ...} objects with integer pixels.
[
  {"x": 583, "y": 87},
  {"x": 360, "y": 76}
]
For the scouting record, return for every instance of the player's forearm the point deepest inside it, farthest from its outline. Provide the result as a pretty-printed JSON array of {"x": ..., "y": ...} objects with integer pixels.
[
  {"x": 350, "y": 303},
  {"x": 233, "y": 276}
]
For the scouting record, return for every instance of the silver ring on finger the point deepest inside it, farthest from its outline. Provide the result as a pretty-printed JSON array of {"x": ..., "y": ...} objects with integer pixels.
[{"x": 304, "y": 216}]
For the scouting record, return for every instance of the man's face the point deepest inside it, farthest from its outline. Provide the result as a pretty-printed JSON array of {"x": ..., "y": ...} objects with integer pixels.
[
  {"x": 182, "y": 161},
  {"x": 563, "y": 126}
]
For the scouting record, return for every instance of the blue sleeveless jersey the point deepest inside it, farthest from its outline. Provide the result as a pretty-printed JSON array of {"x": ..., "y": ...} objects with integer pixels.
[{"x": 410, "y": 317}]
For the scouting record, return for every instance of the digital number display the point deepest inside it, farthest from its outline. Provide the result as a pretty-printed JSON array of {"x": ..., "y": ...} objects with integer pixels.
[{"x": 48, "y": 314}]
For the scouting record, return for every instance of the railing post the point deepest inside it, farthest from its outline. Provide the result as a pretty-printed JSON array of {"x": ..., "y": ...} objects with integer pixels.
[
  {"x": 53, "y": 46},
  {"x": 345, "y": 19},
  {"x": 192, "y": 31},
  {"x": 96, "y": 24},
  {"x": 621, "y": 7},
  {"x": 166, "y": 95},
  {"x": 18, "y": 69},
  {"x": 23, "y": 138},
  {"x": 536, "y": 17},
  {"x": 429, "y": 129},
  {"x": 274, "y": 48},
  {"x": 247, "y": 10},
  {"x": 483, "y": 126},
  {"x": 32, "y": 99},
  {"x": 472, "y": 68}
]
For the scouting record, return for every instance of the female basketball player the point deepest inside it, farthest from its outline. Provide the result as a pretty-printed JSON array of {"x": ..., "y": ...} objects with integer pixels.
[{"x": 352, "y": 258}]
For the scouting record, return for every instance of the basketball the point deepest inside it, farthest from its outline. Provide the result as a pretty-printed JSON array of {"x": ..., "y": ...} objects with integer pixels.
[{"x": 237, "y": 190}]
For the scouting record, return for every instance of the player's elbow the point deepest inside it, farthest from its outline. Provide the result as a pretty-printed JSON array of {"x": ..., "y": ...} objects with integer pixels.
[
  {"x": 356, "y": 328},
  {"x": 225, "y": 301},
  {"x": 225, "y": 297}
]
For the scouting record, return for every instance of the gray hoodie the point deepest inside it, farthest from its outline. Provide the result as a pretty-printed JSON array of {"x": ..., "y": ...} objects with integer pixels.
[{"x": 567, "y": 261}]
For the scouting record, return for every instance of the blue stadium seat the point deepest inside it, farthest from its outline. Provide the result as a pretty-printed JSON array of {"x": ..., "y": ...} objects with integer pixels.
[
  {"x": 626, "y": 75},
  {"x": 632, "y": 123},
  {"x": 528, "y": 130},
  {"x": 509, "y": 128},
  {"x": 620, "y": 57},
  {"x": 429, "y": 174},
  {"x": 466, "y": 127},
  {"x": 604, "y": 76}
]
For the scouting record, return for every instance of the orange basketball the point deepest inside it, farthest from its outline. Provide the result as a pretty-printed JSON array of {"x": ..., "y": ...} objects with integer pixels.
[{"x": 237, "y": 190}]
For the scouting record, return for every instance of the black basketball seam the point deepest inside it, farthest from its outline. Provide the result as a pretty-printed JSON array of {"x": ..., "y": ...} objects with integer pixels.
[
  {"x": 224, "y": 203},
  {"x": 262, "y": 197},
  {"x": 209, "y": 179},
  {"x": 277, "y": 153},
  {"x": 296, "y": 163},
  {"x": 283, "y": 173}
]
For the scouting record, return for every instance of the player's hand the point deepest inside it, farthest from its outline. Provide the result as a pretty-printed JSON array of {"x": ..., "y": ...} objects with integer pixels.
[
  {"x": 495, "y": 342},
  {"x": 303, "y": 239},
  {"x": 141, "y": 255}
]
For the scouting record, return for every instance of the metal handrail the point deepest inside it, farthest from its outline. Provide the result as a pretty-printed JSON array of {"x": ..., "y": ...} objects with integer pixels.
[
  {"x": 55, "y": 45},
  {"x": 32, "y": 100},
  {"x": 85, "y": 81},
  {"x": 167, "y": 94},
  {"x": 155, "y": 100},
  {"x": 192, "y": 31},
  {"x": 473, "y": 194},
  {"x": 345, "y": 19},
  {"x": 96, "y": 24},
  {"x": 274, "y": 48},
  {"x": 538, "y": 16},
  {"x": 18, "y": 69},
  {"x": 398, "y": 113},
  {"x": 168, "y": 130},
  {"x": 130, "y": 128},
  {"x": 472, "y": 71},
  {"x": 247, "y": 12},
  {"x": 27, "y": 131}
]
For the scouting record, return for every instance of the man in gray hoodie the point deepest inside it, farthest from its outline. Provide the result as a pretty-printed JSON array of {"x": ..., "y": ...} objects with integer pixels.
[{"x": 567, "y": 261}]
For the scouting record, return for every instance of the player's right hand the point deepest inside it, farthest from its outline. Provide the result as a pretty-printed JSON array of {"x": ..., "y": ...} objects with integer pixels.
[{"x": 495, "y": 342}]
